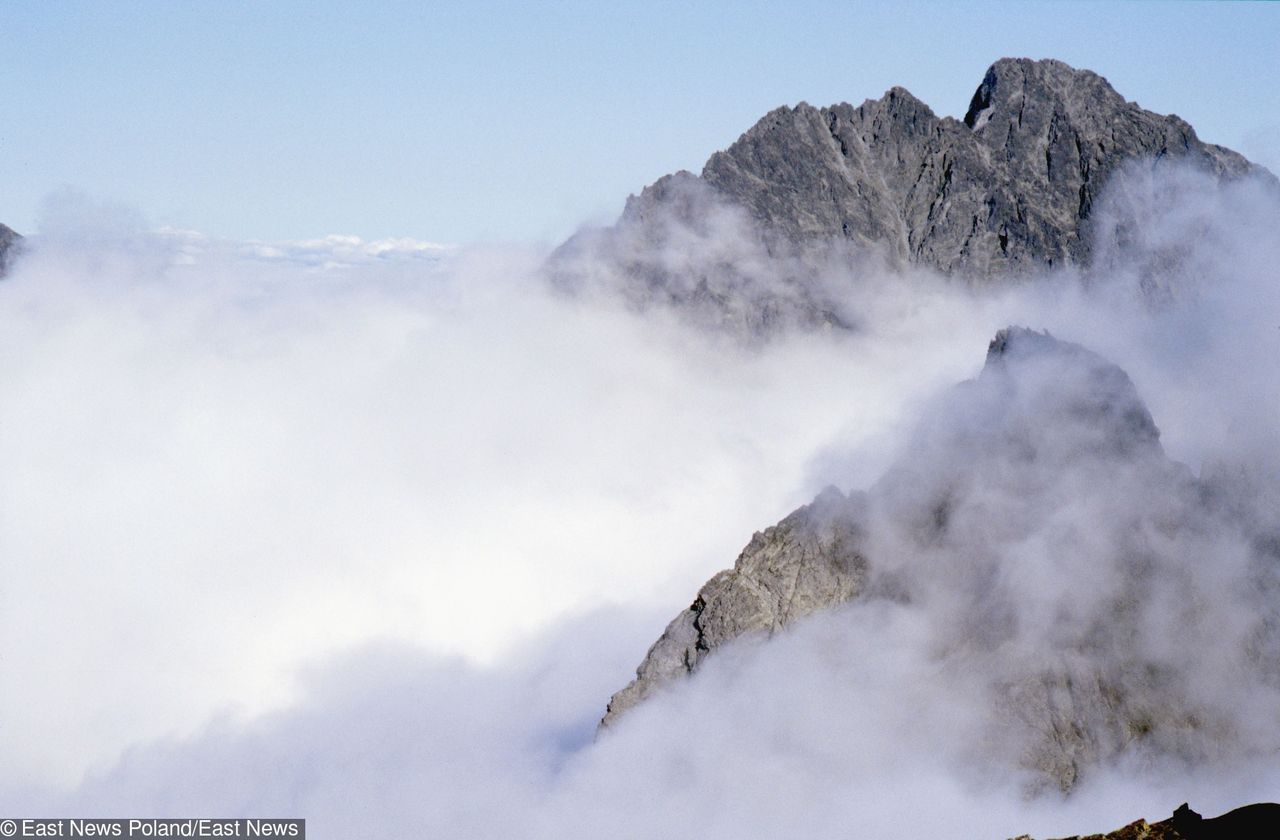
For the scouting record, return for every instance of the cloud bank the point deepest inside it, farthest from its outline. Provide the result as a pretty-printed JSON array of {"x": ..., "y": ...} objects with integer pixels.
[{"x": 372, "y": 544}]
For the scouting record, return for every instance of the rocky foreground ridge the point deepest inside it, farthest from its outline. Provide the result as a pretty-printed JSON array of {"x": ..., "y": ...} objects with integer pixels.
[
  {"x": 1036, "y": 523},
  {"x": 1252, "y": 822},
  {"x": 809, "y": 198}
]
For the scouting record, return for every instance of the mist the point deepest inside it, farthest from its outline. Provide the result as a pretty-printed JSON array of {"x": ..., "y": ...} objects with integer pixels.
[{"x": 368, "y": 533}]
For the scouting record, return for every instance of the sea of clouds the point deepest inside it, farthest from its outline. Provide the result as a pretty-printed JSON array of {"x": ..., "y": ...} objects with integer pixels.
[{"x": 368, "y": 533}]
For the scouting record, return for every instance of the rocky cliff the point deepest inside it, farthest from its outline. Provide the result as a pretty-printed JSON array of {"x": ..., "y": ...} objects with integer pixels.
[
  {"x": 1035, "y": 523},
  {"x": 808, "y": 198}
]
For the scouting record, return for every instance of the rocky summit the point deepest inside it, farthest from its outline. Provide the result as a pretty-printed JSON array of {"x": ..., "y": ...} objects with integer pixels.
[
  {"x": 1034, "y": 522},
  {"x": 809, "y": 198}
]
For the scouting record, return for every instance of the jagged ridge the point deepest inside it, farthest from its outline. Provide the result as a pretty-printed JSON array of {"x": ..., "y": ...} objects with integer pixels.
[{"x": 1005, "y": 191}]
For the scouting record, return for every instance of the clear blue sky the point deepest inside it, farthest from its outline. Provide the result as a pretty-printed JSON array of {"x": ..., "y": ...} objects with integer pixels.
[{"x": 488, "y": 121}]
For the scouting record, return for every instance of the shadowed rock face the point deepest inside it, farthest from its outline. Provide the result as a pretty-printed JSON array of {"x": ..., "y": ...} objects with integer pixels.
[
  {"x": 1001, "y": 525},
  {"x": 9, "y": 241},
  {"x": 1005, "y": 191},
  {"x": 1252, "y": 822}
]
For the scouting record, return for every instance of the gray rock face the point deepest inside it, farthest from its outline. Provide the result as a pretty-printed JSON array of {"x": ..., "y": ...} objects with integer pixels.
[
  {"x": 9, "y": 242},
  {"x": 809, "y": 561},
  {"x": 1035, "y": 524},
  {"x": 1008, "y": 190}
]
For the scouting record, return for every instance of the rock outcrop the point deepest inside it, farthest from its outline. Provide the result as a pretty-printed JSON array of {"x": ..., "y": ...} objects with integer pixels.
[
  {"x": 807, "y": 562},
  {"x": 9, "y": 243},
  {"x": 751, "y": 242},
  {"x": 1036, "y": 524}
]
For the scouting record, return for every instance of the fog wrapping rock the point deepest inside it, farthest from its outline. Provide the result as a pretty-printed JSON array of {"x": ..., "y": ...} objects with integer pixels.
[
  {"x": 1114, "y": 602},
  {"x": 1049, "y": 169}
]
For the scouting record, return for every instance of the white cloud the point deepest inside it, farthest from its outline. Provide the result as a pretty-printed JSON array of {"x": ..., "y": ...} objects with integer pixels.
[
  {"x": 328, "y": 252},
  {"x": 216, "y": 468}
]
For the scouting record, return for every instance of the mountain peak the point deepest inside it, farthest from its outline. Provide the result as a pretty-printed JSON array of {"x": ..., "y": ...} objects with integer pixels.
[{"x": 1005, "y": 193}]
